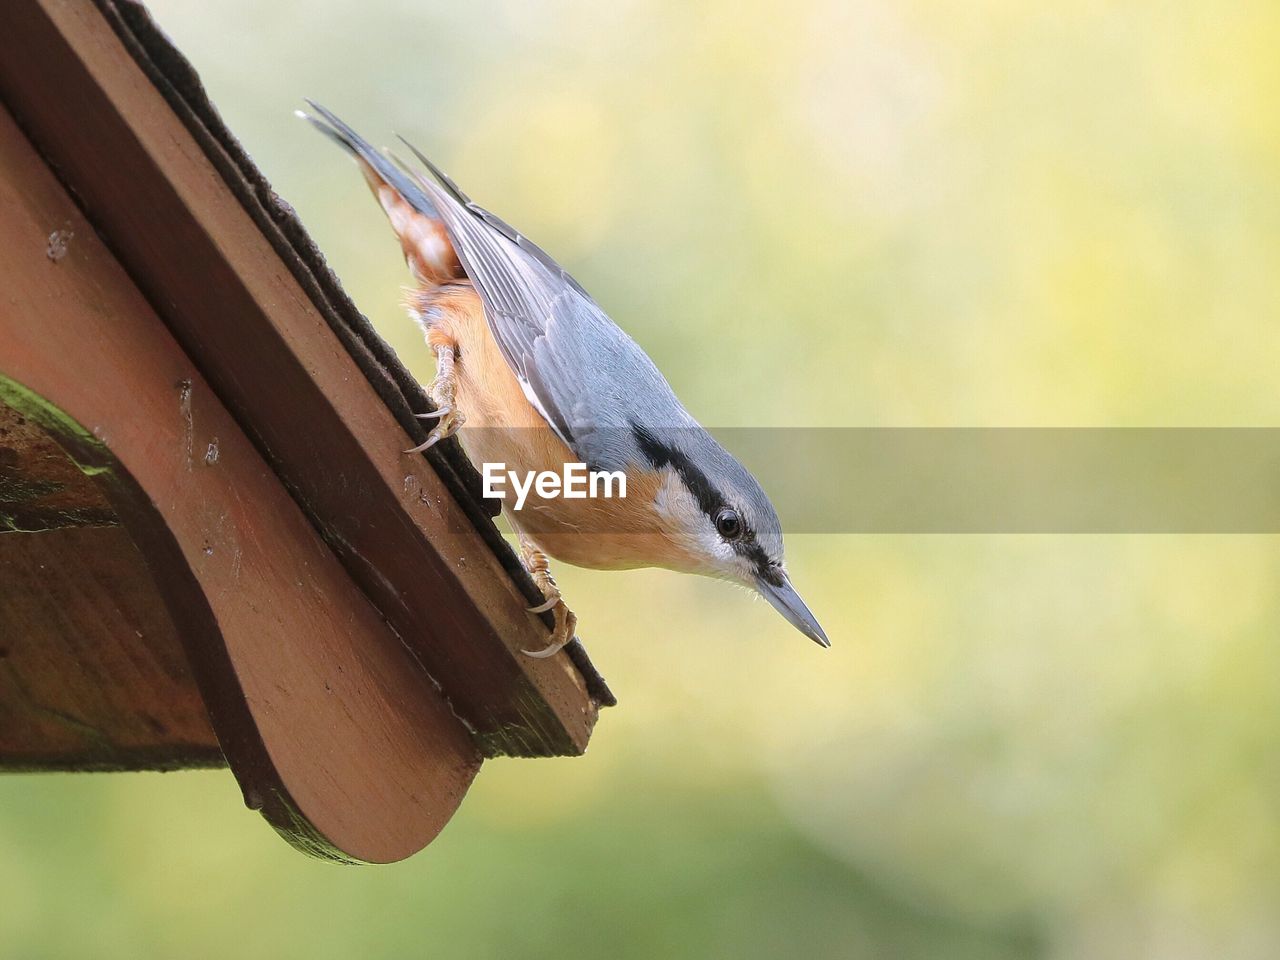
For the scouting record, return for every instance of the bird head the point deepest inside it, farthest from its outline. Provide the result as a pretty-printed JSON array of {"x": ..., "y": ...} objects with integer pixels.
[{"x": 719, "y": 521}]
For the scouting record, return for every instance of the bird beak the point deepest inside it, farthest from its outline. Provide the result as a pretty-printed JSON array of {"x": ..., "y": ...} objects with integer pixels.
[{"x": 788, "y": 603}]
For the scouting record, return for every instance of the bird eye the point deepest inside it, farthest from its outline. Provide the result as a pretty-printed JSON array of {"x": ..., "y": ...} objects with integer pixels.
[{"x": 729, "y": 524}]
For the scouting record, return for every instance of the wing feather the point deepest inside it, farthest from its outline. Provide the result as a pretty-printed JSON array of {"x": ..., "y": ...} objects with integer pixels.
[
  {"x": 578, "y": 368},
  {"x": 590, "y": 381}
]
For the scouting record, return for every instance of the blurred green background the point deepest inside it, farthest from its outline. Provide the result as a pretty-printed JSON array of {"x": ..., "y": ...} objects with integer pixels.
[{"x": 861, "y": 213}]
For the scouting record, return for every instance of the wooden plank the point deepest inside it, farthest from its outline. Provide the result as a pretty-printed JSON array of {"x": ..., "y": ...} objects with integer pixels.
[
  {"x": 273, "y": 360},
  {"x": 40, "y": 488},
  {"x": 330, "y": 725},
  {"x": 92, "y": 673}
]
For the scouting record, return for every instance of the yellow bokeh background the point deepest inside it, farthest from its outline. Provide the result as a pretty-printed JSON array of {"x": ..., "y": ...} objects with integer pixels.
[{"x": 810, "y": 213}]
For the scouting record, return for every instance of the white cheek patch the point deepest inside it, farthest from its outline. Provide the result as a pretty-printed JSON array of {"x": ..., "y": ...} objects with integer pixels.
[
  {"x": 684, "y": 521},
  {"x": 664, "y": 501},
  {"x": 677, "y": 506}
]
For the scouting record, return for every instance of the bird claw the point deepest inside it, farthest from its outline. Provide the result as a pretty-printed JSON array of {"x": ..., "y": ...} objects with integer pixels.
[
  {"x": 447, "y": 425},
  {"x": 566, "y": 621},
  {"x": 561, "y": 636},
  {"x": 550, "y": 651},
  {"x": 544, "y": 607},
  {"x": 443, "y": 394}
]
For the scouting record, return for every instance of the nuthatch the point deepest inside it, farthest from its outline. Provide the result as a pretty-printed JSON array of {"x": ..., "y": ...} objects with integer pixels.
[{"x": 543, "y": 378}]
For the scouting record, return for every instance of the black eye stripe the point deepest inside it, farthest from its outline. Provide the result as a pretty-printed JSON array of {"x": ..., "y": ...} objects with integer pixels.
[
  {"x": 765, "y": 569},
  {"x": 710, "y": 500}
]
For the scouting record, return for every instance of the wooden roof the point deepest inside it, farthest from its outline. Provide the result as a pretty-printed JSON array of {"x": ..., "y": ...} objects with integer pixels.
[{"x": 214, "y": 545}]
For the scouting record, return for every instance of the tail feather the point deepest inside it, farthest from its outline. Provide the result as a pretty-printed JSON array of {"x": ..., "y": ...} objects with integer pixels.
[
  {"x": 428, "y": 251},
  {"x": 338, "y": 131}
]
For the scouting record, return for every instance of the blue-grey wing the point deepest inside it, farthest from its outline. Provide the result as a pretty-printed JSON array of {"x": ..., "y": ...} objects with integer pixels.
[{"x": 582, "y": 373}]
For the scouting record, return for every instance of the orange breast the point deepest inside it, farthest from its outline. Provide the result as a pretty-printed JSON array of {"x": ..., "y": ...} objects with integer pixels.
[{"x": 502, "y": 426}]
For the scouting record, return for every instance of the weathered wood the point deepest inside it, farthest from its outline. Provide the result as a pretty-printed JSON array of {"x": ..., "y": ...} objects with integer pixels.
[
  {"x": 40, "y": 489},
  {"x": 92, "y": 674},
  {"x": 330, "y": 725},
  {"x": 258, "y": 337}
]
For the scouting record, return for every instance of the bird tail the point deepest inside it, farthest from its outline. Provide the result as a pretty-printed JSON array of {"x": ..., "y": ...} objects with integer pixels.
[{"x": 428, "y": 251}]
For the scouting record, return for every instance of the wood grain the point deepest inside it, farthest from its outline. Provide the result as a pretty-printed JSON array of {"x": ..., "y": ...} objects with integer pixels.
[
  {"x": 331, "y": 726},
  {"x": 92, "y": 673},
  {"x": 269, "y": 355}
]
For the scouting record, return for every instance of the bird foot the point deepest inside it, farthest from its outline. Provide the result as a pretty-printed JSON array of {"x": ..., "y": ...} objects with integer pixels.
[
  {"x": 566, "y": 621},
  {"x": 443, "y": 392}
]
